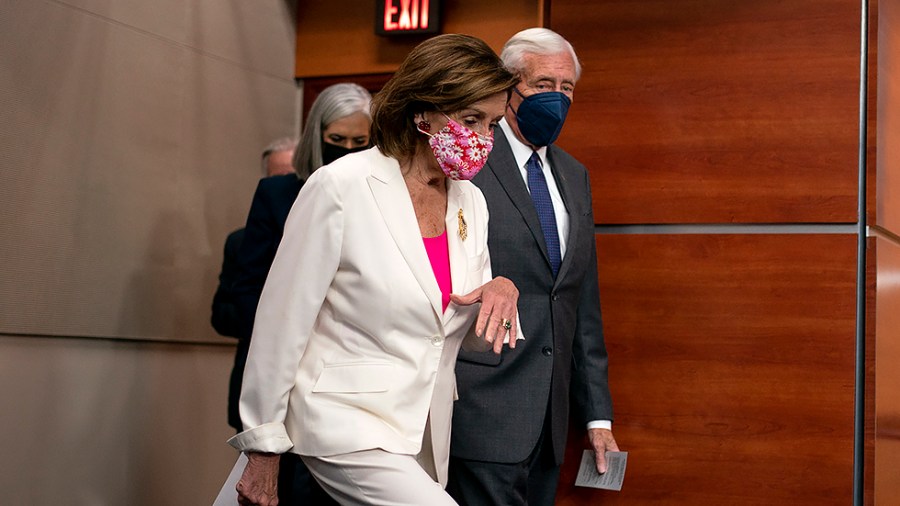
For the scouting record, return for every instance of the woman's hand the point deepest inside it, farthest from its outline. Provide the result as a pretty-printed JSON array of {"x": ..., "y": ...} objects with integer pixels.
[
  {"x": 498, "y": 298},
  {"x": 258, "y": 485}
]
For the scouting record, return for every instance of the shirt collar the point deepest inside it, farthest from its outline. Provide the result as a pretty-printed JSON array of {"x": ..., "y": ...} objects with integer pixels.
[{"x": 521, "y": 151}]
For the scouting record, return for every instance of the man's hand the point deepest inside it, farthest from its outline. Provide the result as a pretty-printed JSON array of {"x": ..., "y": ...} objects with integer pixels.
[{"x": 602, "y": 441}]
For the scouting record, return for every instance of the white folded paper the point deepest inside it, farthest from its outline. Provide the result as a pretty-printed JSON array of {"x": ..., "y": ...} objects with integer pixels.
[
  {"x": 228, "y": 495},
  {"x": 610, "y": 480}
]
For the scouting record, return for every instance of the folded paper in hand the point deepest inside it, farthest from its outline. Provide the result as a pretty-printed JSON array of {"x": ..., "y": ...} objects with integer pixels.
[{"x": 610, "y": 480}]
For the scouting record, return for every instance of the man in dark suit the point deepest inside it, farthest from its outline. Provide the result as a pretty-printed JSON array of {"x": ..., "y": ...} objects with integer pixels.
[{"x": 511, "y": 419}]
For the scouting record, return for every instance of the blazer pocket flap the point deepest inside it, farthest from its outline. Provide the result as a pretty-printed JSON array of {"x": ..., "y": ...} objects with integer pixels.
[
  {"x": 355, "y": 378},
  {"x": 476, "y": 261}
]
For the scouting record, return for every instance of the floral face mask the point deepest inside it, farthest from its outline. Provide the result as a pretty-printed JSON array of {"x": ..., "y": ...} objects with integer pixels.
[{"x": 459, "y": 151}]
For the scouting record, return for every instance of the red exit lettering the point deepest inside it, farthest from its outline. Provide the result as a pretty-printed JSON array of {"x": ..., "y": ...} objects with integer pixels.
[{"x": 413, "y": 15}]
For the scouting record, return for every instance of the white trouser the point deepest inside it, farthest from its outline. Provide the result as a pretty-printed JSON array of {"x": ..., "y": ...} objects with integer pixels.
[{"x": 377, "y": 477}]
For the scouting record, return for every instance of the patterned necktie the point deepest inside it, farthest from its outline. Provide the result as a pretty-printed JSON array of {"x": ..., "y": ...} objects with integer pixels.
[{"x": 540, "y": 195}]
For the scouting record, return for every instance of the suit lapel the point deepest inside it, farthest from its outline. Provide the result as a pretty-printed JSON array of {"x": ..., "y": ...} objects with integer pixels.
[
  {"x": 503, "y": 164},
  {"x": 395, "y": 205}
]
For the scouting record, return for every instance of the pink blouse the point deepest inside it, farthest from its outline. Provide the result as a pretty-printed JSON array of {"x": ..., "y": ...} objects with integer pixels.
[{"x": 439, "y": 255}]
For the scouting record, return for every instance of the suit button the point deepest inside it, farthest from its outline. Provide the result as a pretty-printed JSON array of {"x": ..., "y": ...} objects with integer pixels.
[
  {"x": 554, "y": 297},
  {"x": 546, "y": 350},
  {"x": 437, "y": 340}
]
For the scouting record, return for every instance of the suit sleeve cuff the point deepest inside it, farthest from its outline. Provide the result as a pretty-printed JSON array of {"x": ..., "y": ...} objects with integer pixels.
[
  {"x": 600, "y": 424},
  {"x": 267, "y": 438}
]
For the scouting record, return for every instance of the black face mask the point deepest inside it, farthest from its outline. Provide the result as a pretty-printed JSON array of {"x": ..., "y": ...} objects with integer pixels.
[{"x": 331, "y": 152}]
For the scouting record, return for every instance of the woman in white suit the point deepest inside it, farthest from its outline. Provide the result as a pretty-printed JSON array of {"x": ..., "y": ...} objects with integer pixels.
[{"x": 351, "y": 364}]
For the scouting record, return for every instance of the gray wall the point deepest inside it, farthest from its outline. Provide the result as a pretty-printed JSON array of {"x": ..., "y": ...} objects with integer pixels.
[{"x": 130, "y": 134}]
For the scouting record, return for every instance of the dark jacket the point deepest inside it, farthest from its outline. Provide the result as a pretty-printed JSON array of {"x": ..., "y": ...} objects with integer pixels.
[
  {"x": 224, "y": 311},
  {"x": 563, "y": 346}
]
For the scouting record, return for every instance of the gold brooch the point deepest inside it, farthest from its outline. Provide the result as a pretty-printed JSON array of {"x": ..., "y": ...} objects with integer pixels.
[{"x": 463, "y": 231}]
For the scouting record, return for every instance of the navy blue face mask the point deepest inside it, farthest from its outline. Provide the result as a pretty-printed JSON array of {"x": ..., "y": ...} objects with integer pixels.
[{"x": 541, "y": 116}]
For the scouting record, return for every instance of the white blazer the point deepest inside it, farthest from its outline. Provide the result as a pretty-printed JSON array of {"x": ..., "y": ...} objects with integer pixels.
[{"x": 350, "y": 347}]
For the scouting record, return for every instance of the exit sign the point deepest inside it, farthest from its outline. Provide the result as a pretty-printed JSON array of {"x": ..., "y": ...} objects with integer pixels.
[{"x": 397, "y": 17}]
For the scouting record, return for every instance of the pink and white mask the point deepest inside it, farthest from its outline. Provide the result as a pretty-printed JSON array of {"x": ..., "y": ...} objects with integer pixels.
[{"x": 460, "y": 152}]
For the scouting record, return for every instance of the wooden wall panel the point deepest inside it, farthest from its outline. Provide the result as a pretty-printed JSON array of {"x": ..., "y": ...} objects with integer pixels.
[
  {"x": 887, "y": 372},
  {"x": 337, "y": 37},
  {"x": 313, "y": 86},
  {"x": 703, "y": 111},
  {"x": 731, "y": 367},
  {"x": 869, "y": 386},
  {"x": 888, "y": 129}
]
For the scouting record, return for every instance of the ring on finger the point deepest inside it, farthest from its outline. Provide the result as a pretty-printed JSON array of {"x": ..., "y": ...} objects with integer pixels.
[{"x": 505, "y": 323}]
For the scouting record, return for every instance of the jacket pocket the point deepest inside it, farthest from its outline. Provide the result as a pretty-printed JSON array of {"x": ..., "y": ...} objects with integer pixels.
[
  {"x": 355, "y": 378},
  {"x": 476, "y": 262},
  {"x": 480, "y": 357}
]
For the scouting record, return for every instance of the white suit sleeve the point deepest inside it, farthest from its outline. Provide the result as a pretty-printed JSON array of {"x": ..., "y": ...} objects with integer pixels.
[{"x": 295, "y": 289}]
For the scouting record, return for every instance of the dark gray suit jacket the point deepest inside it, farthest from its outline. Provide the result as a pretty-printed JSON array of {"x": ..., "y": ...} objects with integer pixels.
[{"x": 503, "y": 399}]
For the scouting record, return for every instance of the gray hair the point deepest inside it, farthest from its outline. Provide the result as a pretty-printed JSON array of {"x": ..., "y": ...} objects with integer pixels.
[
  {"x": 542, "y": 41},
  {"x": 333, "y": 103},
  {"x": 281, "y": 144}
]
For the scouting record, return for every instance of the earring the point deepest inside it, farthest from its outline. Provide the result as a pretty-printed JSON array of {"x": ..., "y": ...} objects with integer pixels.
[{"x": 424, "y": 126}]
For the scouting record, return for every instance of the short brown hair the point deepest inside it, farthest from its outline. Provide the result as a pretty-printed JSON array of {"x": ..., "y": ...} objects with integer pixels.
[{"x": 445, "y": 73}]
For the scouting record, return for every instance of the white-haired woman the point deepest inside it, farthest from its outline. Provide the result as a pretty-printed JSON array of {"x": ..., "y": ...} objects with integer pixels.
[{"x": 338, "y": 124}]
